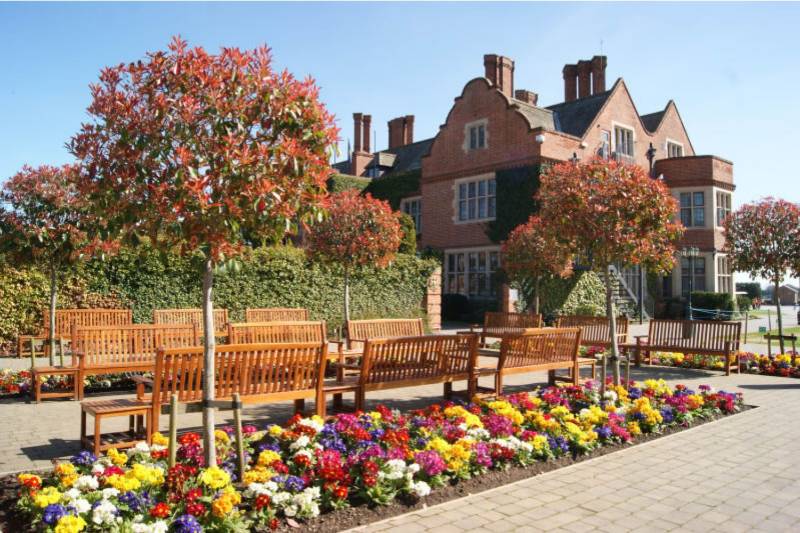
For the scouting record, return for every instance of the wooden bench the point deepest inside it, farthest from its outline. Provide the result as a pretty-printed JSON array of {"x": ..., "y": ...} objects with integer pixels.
[
  {"x": 701, "y": 337},
  {"x": 192, "y": 316},
  {"x": 278, "y": 331},
  {"x": 359, "y": 331},
  {"x": 410, "y": 362},
  {"x": 259, "y": 373},
  {"x": 276, "y": 314},
  {"x": 112, "y": 350},
  {"x": 594, "y": 329},
  {"x": 533, "y": 350},
  {"x": 66, "y": 318},
  {"x": 498, "y": 325}
]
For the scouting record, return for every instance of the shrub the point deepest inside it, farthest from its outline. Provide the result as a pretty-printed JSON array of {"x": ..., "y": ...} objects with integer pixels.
[
  {"x": 743, "y": 302},
  {"x": 753, "y": 289},
  {"x": 408, "y": 244},
  {"x": 712, "y": 303}
]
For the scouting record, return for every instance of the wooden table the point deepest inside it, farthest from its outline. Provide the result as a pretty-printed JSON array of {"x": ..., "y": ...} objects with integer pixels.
[{"x": 135, "y": 410}]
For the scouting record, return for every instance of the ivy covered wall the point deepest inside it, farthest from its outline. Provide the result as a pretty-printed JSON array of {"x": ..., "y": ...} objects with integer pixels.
[{"x": 581, "y": 294}]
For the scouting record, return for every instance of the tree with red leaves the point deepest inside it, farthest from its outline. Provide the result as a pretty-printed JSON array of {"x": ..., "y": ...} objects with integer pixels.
[
  {"x": 358, "y": 231},
  {"x": 41, "y": 223},
  {"x": 611, "y": 213},
  {"x": 204, "y": 154},
  {"x": 531, "y": 254},
  {"x": 763, "y": 239}
]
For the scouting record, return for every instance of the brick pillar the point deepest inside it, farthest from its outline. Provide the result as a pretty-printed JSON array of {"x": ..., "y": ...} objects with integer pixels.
[
  {"x": 584, "y": 79},
  {"x": 432, "y": 302},
  {"x": 357, "y": 131},
  {"x": 570, "y": 82},
  {"x": 367, "y": 133},
  {"x": 599, "y": 74}
]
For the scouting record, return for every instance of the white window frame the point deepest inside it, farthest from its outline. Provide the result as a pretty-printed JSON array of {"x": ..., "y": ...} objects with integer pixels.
[
  {"x": 692, "y": 208},
  {"x": 728, "y": 208},
  {"x": 467, "y": 274},
  {"x": 669, "y": 142},
  {"x": 614, "y": 147},
  {"x": 467, "y": 147},
  {"x": 457, "y": 199},
  {"x": 404, "y": 207},
  {"x": 725, "y": 278}
]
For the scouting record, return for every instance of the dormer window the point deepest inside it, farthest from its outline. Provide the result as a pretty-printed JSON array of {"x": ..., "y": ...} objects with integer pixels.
[
  {"x": 674, "y": 149},
  {"x": 475, "y": 135}
]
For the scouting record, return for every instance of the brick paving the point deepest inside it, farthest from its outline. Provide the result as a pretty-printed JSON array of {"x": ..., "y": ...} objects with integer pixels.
[{"x": 736, "y": 474}]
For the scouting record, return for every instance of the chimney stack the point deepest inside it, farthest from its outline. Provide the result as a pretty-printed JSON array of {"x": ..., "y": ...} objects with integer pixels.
[
  {"x": 500, "y": 71},
  {"x": 401, "y": 131},
  {"x": 585, "y": 78},
  {"x": 528, "y": 97},
  {"x": 570, "y": 82},
  {"x": 599, "y": 74},
  {"x": 357, "y": 132},
  {"x": 367, "y": 123}
]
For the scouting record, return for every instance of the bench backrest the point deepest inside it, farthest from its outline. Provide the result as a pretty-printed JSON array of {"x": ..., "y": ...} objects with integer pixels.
[
  {"x": 130, "y": 344},
  {"x": 500, "y": 323},
  {"x": 384, "y": 328},
  {"x": 262, "y": 371},
  {"x": 191, "y": 316},
  {"x": 409, "y": 360},
  {"x": 701, "y": 335},
  {"x": 594, "y": 329},
  {"x": 539, "y": 347},
  {"x": 66, "y": 318},
  {"x": 276, "y": 314},
  {"x": 271, "y": 332}
]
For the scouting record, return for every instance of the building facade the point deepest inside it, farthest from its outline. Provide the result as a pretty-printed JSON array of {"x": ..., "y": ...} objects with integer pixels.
[{"x": 493, "y": 127}]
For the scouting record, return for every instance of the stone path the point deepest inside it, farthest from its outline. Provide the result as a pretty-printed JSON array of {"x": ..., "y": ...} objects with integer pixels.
[{"x": 736, "y": 474}]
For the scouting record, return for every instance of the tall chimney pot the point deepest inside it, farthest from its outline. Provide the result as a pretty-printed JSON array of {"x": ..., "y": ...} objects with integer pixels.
[{"x": 500, "y": 71}]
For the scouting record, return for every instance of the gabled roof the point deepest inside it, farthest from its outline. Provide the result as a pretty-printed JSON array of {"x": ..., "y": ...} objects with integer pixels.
[
  {"x": 651, "y": 121},
  {"x": 342, "y": 167},
  {"x": 409, "y": 156},
  {"x": 537, "y": 117},
  {"x": 575, "y": 117}
]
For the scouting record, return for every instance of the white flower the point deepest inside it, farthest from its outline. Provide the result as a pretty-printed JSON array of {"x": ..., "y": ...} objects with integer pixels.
[
  {"x": 110, "y": 492},
  {"x": 301, "y": 442},
  {"x": 141, "y": 447},
  {"x": 478, "y": 434},
  {"x": 420, "y": 489},
  {"x": 73, "y": 494},
  {"x": 86, "y": 483},
  {"x": 413, "y": 468},
  {"x": 81, "y": 505},
  {"x": 104, "y": 513},
  {"x": 156, "y": 527},
  {"x": 610, "y": 396},
  {"x": 307, "y": 453},
  {"x": 98, "y": 468},
  {"x": 316, "y": 425}
]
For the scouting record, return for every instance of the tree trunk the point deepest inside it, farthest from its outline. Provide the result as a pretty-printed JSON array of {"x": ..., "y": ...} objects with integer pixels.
[
  {"x": 536, "y": 285},
  {"x": 51, "y": 327},
  {"x": 209, "y": 343},
  {"x": 346, "y": 295},
  {"x": 780, "y": 318},
  {"x": 612, "y": 323}
]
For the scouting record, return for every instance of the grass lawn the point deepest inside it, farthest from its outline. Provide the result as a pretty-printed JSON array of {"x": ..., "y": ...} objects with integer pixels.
[{"x": 756, "y": 337}]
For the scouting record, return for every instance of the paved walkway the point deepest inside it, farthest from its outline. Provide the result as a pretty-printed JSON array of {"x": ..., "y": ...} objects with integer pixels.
[{"x": 736, "y": 474}]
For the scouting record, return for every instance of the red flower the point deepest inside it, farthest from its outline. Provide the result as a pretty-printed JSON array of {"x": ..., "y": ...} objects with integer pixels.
[
  {"x": 196, "y": 509},
  {"x": 262, "y": 500},
  {"x": 161, "y": 510}
]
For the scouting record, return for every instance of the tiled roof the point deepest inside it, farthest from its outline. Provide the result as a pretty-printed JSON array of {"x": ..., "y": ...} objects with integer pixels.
[
  {"x": 537, "y": 117},
  {"x": 342, "y": 167},
  {"x": 409, "y": 157},
  {"x": 576, "y": 116},
  {"x": 652, "y": 120}
]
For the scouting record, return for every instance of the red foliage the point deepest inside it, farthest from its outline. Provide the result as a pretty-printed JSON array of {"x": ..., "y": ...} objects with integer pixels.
[
  {"x": 358, "y": 231},
  {"x": 609, "y": 213},
  {"x": 532, "y": 252},
  {"x": 204, "y": 152},
  {"x": 763, "y": 239}
]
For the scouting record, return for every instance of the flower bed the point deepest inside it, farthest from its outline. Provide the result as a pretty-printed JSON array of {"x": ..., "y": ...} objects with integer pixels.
[
  {"x": 786, "y": 365},
  {"x": 311, "y": 466},
  {"x": 18, "y": 383}
]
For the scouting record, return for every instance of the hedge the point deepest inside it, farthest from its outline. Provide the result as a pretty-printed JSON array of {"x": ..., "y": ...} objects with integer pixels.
[
  {"x": 268, "y": 277},
  {"x": 752, "y": 288},
  {"x": 343, "y": 182},
  {"x": 706, "y": 304},
  {"x": 583, "y": 293}
]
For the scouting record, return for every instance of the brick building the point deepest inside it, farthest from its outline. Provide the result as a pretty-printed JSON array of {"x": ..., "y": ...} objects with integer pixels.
[{"x": 494, "y": 128}]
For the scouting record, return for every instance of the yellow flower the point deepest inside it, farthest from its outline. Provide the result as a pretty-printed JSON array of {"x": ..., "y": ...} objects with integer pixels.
[
  {"x": 160, "y": 440},
  {"x": 123, "y": 483},
  {"x": 258, "y": 474},
  {"x": 471, "y": 420},
  {"x": 47, "y": 496},
  {"x": 267, "y": 457},
  {"x": 275, "y": 430},
  {"x": 634, "y": 429},
  {"x": 215, "y": 477},
  {"x": 70, "y": 524},
  {"x": 224, "y": 504},
  {"x": 375, "y": 416},
  {"x": 148, "y": 475},
  {"x": 221, "y": 436},
  {"x": 68, "y": 481},
  {"x": 65, "y": 469},
  {"x": 116, "y": 457}
]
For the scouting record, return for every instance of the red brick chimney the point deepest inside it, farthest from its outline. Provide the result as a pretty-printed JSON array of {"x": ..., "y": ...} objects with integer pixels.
[
  {"x": 401, "y": 131},
  {"x": 367, "y": 135},
  {"x": 584, "y": 78},
  {"x": 599, "y": 74},
  {"x": 357, "y": 132},
  {"x": 528, "y": 97},
  {"x": 500, "y": 71},
  {"x": 570, "y": 82}
]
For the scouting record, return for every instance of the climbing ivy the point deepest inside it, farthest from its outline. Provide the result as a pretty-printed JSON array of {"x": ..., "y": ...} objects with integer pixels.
[{"x": 515, "y": 188}]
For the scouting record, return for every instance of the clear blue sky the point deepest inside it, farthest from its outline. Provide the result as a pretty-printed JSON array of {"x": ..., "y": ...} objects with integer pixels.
[{"x": 733, "y": 69}]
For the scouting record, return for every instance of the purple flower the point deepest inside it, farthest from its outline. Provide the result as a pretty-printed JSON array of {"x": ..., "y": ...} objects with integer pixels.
[
  {"x": 667, "y": 414},
  {"x": 290, "y": 483},
  {"x": 53, "y": 513},
  {"x": 483, "y": 454},
  {"x": 430, "y": 462},
  {"x": 83, "y": 458},
  {"x": 634, "y": 393},
  {"x": 187, "y": 524},
  {"x": 604, "y": 432}
]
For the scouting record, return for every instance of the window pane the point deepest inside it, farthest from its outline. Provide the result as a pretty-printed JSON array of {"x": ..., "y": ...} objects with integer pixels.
[
  {"x": 471, "y": 209},
  {"x": 482, "y": 207},
  {"x": 481, "y": 137},
  {"x": 492, "y": 207},
  {"x": 462, "y": 191},
  {"x": 482, "y": 188},
  {"x": 473, "y": 138},
  {"x": 460, "y": 262},
  {"x": 699, "y": 198},
  {"x": 686, "y": 217},
  {"x": 685, "y": 199},
  {"x": 471, "y": 188},
  {"x": 492, "y": 186},
  {"x": 482, "y": 261},
  {"x": 699, "y": 216},
  {"x": 473, "y": 261},
  {"x": 451, "y": 263},
  {"x": 493, "y": 261},
  {"x": 462, "y": 210}
]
